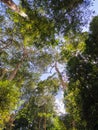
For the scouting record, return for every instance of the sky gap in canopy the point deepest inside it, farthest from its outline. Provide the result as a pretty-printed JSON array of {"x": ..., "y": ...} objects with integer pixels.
[{"x": 59, "y": 97}]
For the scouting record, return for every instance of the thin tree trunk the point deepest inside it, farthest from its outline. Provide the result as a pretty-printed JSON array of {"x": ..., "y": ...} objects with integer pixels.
[
  {"x": 45, "y": 118},
  {"x": 14, "y": 72},
  {"x": 15, "y": 8},
  {"x": 39, "y": 123},
  {"x": 45, "y": 123},
  {"x": 2, "y": 73},
  {"x": 63, "y": 83}
]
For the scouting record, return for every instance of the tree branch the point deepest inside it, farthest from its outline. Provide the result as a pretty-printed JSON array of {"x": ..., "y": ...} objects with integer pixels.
[
  {"x": 63, "y": 83},
  {"x": 14, "y": 7},
  {"x": 14, "y": 72}
]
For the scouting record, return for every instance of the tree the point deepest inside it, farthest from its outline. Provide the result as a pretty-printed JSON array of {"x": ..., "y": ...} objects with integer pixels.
[
  {"x": 38, "y": 110},
  {"x": 81, "y": 99}
]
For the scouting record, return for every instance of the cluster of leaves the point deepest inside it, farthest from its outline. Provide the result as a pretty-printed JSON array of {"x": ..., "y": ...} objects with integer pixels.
[
  {"x": 66, "y": 15},
  {"x": 9, "y": 96}
]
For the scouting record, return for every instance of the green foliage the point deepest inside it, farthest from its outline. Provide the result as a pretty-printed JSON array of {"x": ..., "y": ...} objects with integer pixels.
[
  {"x": 74, "y": 45},
  {"x": 38, "y": 30},
  {"x": 91, "y": 42},
  {"x": 39, "y": 107},
  {"x": 93, "y": 26},
  {"x": 58, "y": 124},
  {"x": 65, "y": 14},
  {"x": 9, "y": 97},
  {"x": 28, "y": 47},
  {"x": 82, "y": 94},
  {"x": 68, "y": 121}
]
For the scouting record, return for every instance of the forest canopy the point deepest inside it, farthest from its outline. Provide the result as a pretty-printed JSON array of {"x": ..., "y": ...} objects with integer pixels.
[{"x": 43, "y": 50}]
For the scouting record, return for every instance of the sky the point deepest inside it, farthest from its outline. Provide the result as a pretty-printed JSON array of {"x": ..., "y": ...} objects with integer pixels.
[{"x": 95, "y": 6}]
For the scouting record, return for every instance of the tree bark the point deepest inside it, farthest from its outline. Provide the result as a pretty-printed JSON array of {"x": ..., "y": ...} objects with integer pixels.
[
  {"x": 45, "y": 118},
  {"x": 13, "y": 74},
  {"x": 14, "y": 7},
  {"x": 63, "y": 83}
]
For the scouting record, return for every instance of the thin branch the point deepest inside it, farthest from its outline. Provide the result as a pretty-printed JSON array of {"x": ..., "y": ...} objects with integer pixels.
[
  {"x": 6, "y": 46},
  {"x": 14, "y": 72}
]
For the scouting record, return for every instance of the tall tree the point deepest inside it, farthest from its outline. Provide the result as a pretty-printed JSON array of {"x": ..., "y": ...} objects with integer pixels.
[{"x": 82, "y": 94}]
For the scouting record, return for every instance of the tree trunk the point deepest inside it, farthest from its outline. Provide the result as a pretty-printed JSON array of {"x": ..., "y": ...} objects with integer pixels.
[
  {"x": 14, "y": 72},
  {"x": 45, "y": 123},
  {"x": 63, "y": 83},
  {"x": 45, "y": 119},
  {"x": 14, "y": 7}
]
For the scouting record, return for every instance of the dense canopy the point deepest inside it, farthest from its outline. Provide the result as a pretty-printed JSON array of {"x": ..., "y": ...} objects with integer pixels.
[{"x": 43, "y": 51}]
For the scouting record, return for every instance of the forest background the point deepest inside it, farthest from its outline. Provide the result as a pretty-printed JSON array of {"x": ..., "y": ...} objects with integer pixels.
[{"x": 48, "y": 37}]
